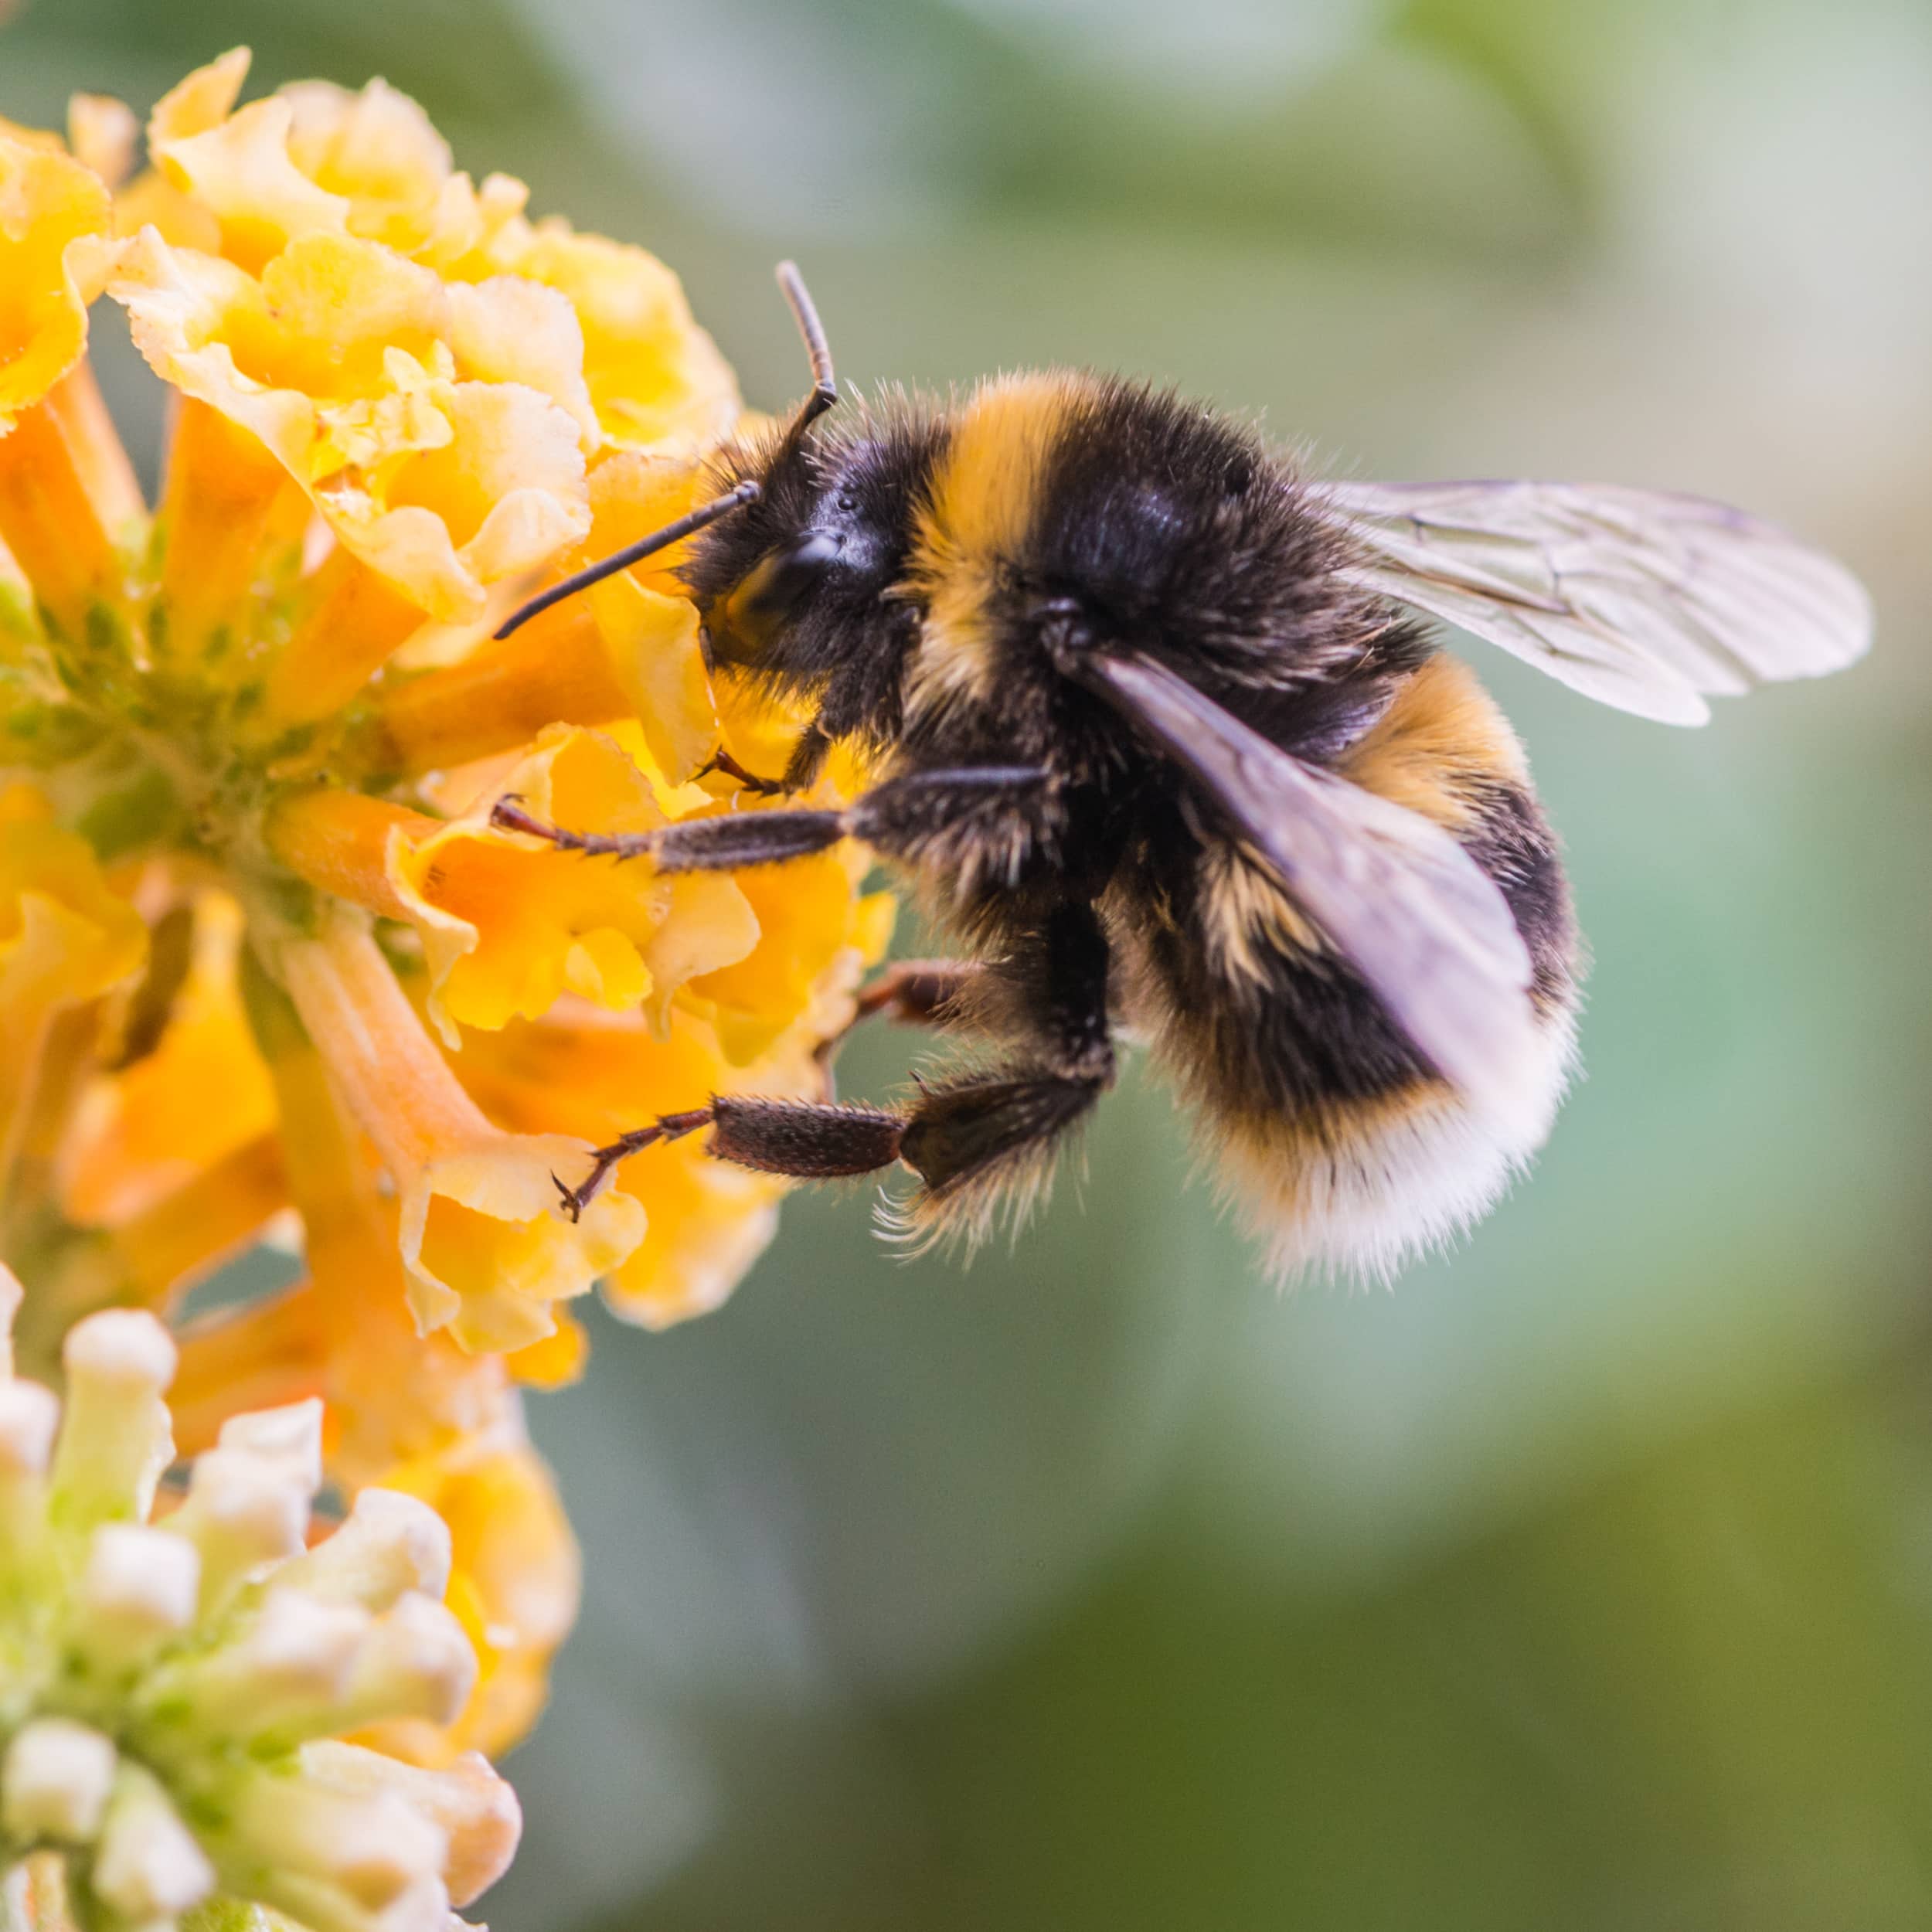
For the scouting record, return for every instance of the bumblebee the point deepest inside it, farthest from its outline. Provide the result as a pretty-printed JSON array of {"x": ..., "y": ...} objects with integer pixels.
[{"x": 1164, "y": 741}]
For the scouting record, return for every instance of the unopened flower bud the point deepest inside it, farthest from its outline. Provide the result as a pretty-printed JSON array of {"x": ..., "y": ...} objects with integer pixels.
[
  {"x": 391, "y": 1543},
  {"x": 288, "y": 1440},
  {"x": 139, "y": 1588},
  {"x": 147, "y": 1866},
  {"x": 115, "y": 1439},
  {"x": 478, "y": 1812},
  {"x": 217, "y": 1660},
  {"x": 417, "y": 1662},
  {"x": 55, "y": 1781}
]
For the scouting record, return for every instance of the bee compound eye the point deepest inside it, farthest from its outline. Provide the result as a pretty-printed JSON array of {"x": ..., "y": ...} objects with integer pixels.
[
  {"x": 788, "y": 576},
  {"x": 769, "y": 595}
]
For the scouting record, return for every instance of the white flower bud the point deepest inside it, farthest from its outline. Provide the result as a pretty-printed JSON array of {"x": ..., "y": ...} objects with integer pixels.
[
  {"x": 56, "y": 1781},
  {"x": 375, "y": 1847},
  {"x": 29, "y": 1416},
  {"x": 418, "y": 1662},
  {"x": 115, "y": 1437},
  {"x": 218, "y": 1658},
  {"x": 140, "y": 1587},
  {"x": 324, "y": 1907},
  {"x": 392, "y": 1543},
  {"x": 478, "y": 1812},
  {"x": 289, "y": 1670},
  {"x": 148, "y": 1866},
  {"x": 289, "y": 1438},
  {"x": 11, "y": 1294},
  {"x": 242, "y": 1511}
]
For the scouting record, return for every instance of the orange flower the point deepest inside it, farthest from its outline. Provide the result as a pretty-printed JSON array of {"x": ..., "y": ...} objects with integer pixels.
[
  {"x": 52, "y": 213},
  {"x": 268, "y": 970}
]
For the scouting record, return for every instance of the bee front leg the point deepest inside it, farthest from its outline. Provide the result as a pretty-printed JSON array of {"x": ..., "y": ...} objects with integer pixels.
[{"x": 722, "y": 761}]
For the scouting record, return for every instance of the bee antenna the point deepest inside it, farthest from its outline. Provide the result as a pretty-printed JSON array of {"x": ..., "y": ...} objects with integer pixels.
[
  {"x": 747, "y": 491},
  {"x": 823, "y": 394},
  {"x": 825, "y": 386}
]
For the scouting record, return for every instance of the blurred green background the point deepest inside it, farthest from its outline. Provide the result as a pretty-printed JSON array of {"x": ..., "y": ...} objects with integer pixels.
[{"x": 1583, "y": 1580}]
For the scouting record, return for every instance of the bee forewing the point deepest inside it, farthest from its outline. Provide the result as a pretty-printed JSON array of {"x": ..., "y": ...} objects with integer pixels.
[
  {"x": 1423, "y": 924},
  {"x": 1645, "y": 600}
]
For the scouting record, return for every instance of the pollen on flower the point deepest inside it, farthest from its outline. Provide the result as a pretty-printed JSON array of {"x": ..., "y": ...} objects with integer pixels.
[{"x": 177, "y": 1692}]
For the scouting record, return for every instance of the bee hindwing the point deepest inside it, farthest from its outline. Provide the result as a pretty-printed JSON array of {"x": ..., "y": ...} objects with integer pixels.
[
  {"x": 1645, "y": 600},
  {"x": 1398, "y": 898}
]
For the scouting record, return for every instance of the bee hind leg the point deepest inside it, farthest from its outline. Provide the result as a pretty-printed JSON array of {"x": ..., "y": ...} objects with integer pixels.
[
  {"x": 984, "y": 1145},
  {"x": 805, "y": 1139},
  {"x": 971, "y": 1141},
  {"x": 978, "y": 1140},
  {"x": 983, "y": 1141}
]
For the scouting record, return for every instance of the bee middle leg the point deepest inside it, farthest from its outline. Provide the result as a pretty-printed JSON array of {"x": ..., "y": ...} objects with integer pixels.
[
  {"x": 904, "y": 817},
  {"x": 911, "y": 992}
]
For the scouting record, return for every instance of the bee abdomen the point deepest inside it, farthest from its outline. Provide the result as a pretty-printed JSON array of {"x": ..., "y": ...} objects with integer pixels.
[{"x": 1337, "y": 1140}]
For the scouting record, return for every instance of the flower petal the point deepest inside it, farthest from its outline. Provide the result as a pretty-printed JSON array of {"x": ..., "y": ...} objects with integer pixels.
[
  {"x": 339, "y": 359},
  {"x": 148, "y": 1128},
  {"x": 486, "y": 1251},
  {"x": 51, "y": 210},
  {"x": 509, "y": 925},
  {"x": 655, "y": 376},
  {"x": 236, "y": 165},
  {"x": 376, "y": 150}
]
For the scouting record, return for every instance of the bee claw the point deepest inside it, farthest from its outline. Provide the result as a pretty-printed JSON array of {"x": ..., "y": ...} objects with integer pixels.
[{"x": 572, "y": 1203}]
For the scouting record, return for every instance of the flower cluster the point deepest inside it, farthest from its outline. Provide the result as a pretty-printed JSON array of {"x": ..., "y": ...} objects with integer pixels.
[
  {"x": 266, "y": 967},
  {"x": 175, "y": 1692}
]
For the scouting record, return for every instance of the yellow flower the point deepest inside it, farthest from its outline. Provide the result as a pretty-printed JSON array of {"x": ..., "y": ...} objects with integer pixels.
[
  {"x": 508, "y": 925},
  {"x": 50, "y": 209},
  {"x": 485, "y": 1252},
  {"x": 515, "y": 1583},
  {"x": 268, "y": 968},
  {"x": 654, "y": 377},
  {"x": 353, "y": 367},
  {"x": 450, "y": 1429},
  {"x": 400, "y": 396},
  {"x": 176, "y": 1694},
  {"x": 708, "y": 1222},
  {"x": 139, "y": 1137},
  {"x": 65, "y": 939}
]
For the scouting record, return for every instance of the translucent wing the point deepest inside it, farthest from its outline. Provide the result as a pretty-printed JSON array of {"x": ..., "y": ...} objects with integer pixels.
[
  {"x": 1409, "y": 909},
  {"x": 1645, "y": 600}
]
